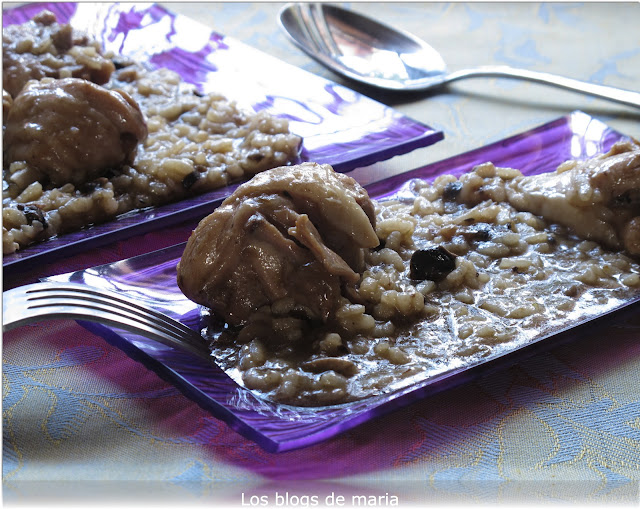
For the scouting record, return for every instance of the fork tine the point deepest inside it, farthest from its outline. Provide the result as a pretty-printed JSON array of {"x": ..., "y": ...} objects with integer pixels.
[
  {"x": 320, "y": 23},
  {"x": 52, "y": 300},
  {"x": 112, "y": 318},
  {"x": 112, "y": 300},
  {"x": 310, "y": 28},
  {"x": 45, "y": 302}
]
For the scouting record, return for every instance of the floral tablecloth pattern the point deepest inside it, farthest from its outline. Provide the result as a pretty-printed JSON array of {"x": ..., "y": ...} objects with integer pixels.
[{"x": 84, "y": 422}]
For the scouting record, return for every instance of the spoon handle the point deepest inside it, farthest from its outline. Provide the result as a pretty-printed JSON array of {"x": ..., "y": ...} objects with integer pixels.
[{"x": 618, "y": 95}]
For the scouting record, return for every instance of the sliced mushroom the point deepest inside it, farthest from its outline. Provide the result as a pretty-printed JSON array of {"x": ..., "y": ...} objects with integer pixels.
[{"x": 342, "y": 366}]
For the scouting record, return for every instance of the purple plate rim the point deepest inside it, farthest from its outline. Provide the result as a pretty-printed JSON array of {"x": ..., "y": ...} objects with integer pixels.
[{"x": 394, "y": 401}]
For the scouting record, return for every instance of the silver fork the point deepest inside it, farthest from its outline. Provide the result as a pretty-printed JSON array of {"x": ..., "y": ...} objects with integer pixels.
[{"x": 57, "y": 300}]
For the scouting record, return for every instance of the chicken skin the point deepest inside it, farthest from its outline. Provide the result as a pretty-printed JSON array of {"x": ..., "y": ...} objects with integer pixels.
[
  {"x": 599, "y": 199},
  {"x": 72, "y": 130}
]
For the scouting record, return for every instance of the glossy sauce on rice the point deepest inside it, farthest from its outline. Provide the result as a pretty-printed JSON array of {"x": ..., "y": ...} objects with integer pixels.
[{"x": 512, "y": 278}]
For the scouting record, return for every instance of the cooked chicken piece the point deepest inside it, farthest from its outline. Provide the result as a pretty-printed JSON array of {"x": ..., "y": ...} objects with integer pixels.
[
  {"x": 44, "y": 48},
  {"x": 291, "y": 232},
  {"x": 72, "y": 130},
  {"x": 599, "y": 199}
]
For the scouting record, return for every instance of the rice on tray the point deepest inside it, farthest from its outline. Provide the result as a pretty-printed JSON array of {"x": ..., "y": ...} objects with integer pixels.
[
  {"x": 194, "y": 143},
  {"x": 466, "y": 269}
]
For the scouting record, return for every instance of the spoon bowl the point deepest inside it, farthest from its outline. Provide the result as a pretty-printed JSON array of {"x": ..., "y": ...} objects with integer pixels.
[
  {"x": 370, "y": 52},
  {"x": 363, "y": 49}
]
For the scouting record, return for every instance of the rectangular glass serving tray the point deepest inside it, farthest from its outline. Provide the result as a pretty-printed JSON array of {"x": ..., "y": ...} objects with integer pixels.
[
  {"x": 151, "y": 278},
  {"x": 338, "y": 126}
]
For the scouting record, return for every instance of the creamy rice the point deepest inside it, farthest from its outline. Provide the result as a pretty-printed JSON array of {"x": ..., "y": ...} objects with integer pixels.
[
  {"x": 196, "y": 143},
  {"x": 513, "y": 278}
]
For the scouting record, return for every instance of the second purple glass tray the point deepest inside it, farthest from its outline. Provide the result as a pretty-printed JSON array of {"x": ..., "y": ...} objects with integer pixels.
[
  {"x": 338, "y": 126},
  {"x": 151, "y": 278}
]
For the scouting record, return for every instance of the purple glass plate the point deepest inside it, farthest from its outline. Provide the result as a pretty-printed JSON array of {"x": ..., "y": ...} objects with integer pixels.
[
  {"x": 151, "y": 278},
  {"x": 338, "y": 125}
]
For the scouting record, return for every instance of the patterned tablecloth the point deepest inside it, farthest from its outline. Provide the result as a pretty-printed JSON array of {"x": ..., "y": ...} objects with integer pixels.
[{"x": 83, "y": 423}]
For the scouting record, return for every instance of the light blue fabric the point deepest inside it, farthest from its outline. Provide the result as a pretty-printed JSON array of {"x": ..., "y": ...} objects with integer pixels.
[{"x": 561, "y": 426}]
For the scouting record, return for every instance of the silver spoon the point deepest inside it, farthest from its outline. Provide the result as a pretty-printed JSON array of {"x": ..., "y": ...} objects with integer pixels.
[{"x": 370, "y": 52}]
